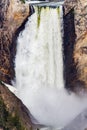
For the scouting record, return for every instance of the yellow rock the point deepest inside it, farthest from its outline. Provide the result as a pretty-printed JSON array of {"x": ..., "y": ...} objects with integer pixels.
[
  {"x": 80, "y": 58},
  {"x": 17, "y": 13}
]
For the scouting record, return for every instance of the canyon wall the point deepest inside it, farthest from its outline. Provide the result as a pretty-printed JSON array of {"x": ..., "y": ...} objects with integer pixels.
[
  {"x": 80, "y": 15},
  {"x": 13, "y": 114},
  {"x": 75, "y": 42},
  {"x": 12, "y": 15}
]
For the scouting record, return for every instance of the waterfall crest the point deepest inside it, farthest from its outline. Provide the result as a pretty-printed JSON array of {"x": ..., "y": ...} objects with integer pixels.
[{"x": 39, "y": 70}]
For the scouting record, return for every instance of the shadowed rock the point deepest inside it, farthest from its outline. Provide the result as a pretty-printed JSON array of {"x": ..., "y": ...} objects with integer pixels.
[{"x": 15, "y": 108}]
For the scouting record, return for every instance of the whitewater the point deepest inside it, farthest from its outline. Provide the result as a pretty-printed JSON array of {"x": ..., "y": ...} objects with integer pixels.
[{"x": 39, "y": 70}]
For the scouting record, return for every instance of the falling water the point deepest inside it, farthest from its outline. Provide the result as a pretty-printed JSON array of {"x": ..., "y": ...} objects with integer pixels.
[{"x": 39, "y": 70}]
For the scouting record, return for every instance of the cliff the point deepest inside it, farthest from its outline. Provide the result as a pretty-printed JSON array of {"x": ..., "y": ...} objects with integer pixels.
[
  {"x": 13, "y": 13},
  {"x": 80, "y": 15},
  {"x": 75, "y": 39},
  {"x": 13, "y": 114}
]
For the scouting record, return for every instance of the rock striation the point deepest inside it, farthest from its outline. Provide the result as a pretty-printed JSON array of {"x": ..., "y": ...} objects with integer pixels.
[
  {"x": 68, "y": 5},
  {"x": 80, "y": 14},
  {"x": 80, "y": 17},
  {"x": 12, "y": 15},
  {"x": 80, "y": 58},
  {"x": 75, "y": 39}
]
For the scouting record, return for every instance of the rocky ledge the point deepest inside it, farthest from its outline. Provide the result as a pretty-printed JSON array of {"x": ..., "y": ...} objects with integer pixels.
[{"x": 13, "y": 114}]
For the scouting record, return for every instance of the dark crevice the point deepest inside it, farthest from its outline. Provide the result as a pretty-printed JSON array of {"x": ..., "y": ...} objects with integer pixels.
[{"x": 69, "y": 42}]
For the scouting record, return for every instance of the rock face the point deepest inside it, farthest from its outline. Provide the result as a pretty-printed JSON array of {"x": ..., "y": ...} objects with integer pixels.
[
  {"x": 68, "y": 5},
  {"x": 80, "y": 14},
  {"x": 75, "y": 38},
  {"x": 12, "y": 15},
  {"x": 13, "y": 114},
  {"x": 80, "y": 58},
  {"x": 80, "y": 17}
]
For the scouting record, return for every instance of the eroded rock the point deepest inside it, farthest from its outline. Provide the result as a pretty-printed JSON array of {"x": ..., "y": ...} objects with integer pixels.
[
  {"x": 12, "y": 15},
  {"x": 80, "y": 58},
  {"x": 80, "y": 14},
  {"x": 13, "y": 110},
  {"x": 75, "y": 49},
  {"x": 68, "y": 5}
]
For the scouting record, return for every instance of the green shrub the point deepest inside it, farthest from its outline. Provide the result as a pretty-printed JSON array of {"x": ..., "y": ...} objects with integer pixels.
[
  {"x": 7, "y": 120},
  {"x": 23, "y": 1}
]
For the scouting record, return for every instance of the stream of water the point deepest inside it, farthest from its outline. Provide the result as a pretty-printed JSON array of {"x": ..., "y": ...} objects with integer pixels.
[{"x": 39, "y": 70}]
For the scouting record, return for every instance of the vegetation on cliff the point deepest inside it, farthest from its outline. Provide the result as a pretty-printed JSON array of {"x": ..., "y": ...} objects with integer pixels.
[
  {"x": 23, "y": 1},
  {"x": 8, "y": 121},
  {"x": 13, "y": 114}
]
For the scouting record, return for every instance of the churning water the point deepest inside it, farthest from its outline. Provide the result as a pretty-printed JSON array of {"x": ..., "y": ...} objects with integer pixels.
[{"x": 39, "y": 70}]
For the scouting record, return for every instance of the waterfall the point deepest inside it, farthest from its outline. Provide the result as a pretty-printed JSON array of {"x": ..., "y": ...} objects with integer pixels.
[
  {"x": 39, "y": 70},
  {"x": 40, "y": 49}
]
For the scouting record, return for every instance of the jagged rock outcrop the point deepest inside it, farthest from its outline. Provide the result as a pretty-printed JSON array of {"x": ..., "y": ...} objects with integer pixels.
[
  {"x": 13, "y": 114},
  {"x": 80, "y": 58},
  {"x": 12, "y": 15},
  {"x": 80, "y": 15},
  {"x": 68, "y": 5}
]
